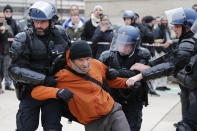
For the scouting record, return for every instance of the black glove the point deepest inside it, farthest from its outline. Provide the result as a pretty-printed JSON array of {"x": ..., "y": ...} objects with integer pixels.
[
  {"x": 65, "y": 94},
  {"x": 111, "y": 74},
  {"x": 50, "y": 81}
]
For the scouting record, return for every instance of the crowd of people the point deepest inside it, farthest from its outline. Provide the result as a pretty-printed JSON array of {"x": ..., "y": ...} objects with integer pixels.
[{"x": 93, "y": 72}]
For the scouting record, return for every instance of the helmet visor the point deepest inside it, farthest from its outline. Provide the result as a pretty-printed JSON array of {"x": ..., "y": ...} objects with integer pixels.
[
  {"x": 123, "y": 44},
  {"x": 175, "y": 16},
  {"x": 194, "y": 27}
]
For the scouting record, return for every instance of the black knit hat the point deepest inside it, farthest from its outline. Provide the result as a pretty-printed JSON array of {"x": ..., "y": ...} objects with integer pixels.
[
  {"x": 7, "y": 7},
  {"x": 80, "y": 49}
]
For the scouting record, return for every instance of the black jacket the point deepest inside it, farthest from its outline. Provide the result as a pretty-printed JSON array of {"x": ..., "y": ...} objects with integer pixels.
[
  {"x": 174, "y": 60},
  {"x": 122, "y": 64}
]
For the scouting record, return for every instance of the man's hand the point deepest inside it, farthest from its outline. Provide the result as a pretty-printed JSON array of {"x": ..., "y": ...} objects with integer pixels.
[
  {"x": 65, "y": 94},
  {"x": 168, "y": 43},
  {"x": 139, "y": 67},
  {"x": 50, "y": 81},
  {"x": 132, "y": 80},
  {"x": 2, "y": 29}
]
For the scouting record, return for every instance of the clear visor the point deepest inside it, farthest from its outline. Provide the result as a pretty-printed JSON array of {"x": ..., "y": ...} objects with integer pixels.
[
  {"x": 194, "y": 27},
  {"x": 123, "y": 44},
  {"x": 177, "y": 14}
]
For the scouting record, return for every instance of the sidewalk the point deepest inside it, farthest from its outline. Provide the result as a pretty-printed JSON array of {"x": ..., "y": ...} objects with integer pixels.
[{"x": 160, "y": 115}]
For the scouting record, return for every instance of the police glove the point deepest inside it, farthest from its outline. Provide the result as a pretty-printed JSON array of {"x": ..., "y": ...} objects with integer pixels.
[
  {"x": 136, "y": 85},
  {"x": 65, "y": 94},
  {"x": 111, "y": 74},
  {"x": 50, "y": 81}
]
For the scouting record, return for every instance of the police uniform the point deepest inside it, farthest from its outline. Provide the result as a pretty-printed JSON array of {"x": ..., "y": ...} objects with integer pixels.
[
  {"x": 34, "y": 58},
  {"x": 132, "y": 100}
]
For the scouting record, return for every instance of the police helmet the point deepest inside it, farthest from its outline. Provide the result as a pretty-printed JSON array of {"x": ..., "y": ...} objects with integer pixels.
[
  {"x": 126, "y": 35},
  {"x": 43, "y": 10},
  {"x": 184, "y": 17},
  {"x": 129, "y": 14}
]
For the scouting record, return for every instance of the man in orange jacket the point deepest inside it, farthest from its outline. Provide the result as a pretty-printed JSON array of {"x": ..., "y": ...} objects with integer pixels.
[{"x": 87, "y": 101}]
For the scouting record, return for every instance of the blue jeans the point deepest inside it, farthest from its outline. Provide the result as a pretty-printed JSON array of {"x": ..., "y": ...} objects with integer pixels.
[{"x": 27, "y": 118}]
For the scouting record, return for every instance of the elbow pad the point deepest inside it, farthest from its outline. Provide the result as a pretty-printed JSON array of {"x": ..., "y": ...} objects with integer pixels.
[
  {"x": 27, "y": 76},
  {"x": 164, "y": 69}
]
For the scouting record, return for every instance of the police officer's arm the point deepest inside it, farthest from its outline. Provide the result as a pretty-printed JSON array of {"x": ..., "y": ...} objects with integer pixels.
[
  {"x": 18, "y": 70},
  {"x": 176, "y": 62}
]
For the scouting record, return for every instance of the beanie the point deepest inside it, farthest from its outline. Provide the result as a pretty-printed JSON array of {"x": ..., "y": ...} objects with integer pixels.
[
  {"x": 7, "y": 7},
  {"x": 98, "y": 7},
  {"x": 148, "y": 19},
  {"x": 80, "y": 49}
]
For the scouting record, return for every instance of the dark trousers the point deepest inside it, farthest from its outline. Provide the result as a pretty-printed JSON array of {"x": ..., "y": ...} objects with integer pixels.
[
  {"x": 189, "y": 106},
  {"x": 7, "y": 62},
  {"x": 133, "y": 113},
  {"x": 190, "y": 116},
  {"x": 1, "y": 69},
  {"x": 27, "y": 118}
]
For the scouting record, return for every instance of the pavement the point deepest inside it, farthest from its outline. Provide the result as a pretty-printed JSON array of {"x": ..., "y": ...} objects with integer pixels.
[{"x": 159, "y": 115}]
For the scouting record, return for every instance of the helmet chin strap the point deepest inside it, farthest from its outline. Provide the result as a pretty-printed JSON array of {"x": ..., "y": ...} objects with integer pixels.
[{"x": 183, "y": 31}]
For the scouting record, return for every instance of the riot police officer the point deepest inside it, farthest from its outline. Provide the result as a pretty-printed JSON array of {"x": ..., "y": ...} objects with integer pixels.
[
  {"x": 177, "y": 62},
  {"x": 125, "y": 52},
  {"x": 35, "y": 57}
]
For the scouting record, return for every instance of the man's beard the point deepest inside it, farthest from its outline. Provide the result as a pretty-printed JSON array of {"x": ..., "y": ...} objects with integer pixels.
[{"x": 41, "y": 33}]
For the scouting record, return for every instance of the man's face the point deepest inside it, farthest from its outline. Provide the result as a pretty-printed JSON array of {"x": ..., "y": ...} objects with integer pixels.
[
  {"x": 125, "y": 49},
  {"x": 195, "y": 8},
  {"x": 41, "y": 26},
  {"x": 178, "y": 30},
  {"x": 83, "y": 63},
  {"x": 127, "y": 21},
  {"x": 74, "y": 10},
  {"x": 75, "y": 19},
  {"x": 105, "y": 20},
  {"x": 97, "y": 12},
  {"x": 164, "y": 22},
  {"x": 8, "y": 13},
  {"x": 2, "y": 18}
]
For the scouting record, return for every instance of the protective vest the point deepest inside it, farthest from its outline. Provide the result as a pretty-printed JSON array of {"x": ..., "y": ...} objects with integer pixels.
[
  {"x": 187, "y": 77},
  {"x": 125, "y": 96}
]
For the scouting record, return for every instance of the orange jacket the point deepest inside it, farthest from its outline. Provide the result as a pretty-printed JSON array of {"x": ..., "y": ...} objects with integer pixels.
[{"x": 90, "y": 101}]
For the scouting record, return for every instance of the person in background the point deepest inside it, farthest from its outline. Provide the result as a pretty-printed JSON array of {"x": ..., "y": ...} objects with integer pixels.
[
  {"x": 92, "y": 23},
  {"x": 194, "y": 6},
  {"x": 75, "y": 28},
  {"x": 161, "y": 36},
  {"x": 102, "y": 37},
  {"x": 157, "y": 21},
  {"x": 3, "y": 45},
  {"x": 12, "y": 31},
  {"x": 148, "y": 22},
  {"x": 74, "y": 10}
]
